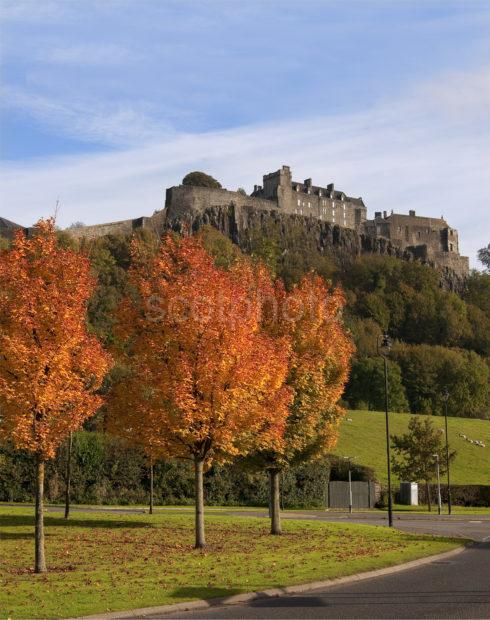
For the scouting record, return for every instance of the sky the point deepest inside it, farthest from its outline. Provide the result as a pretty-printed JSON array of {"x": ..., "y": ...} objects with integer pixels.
[{"x": 106, "y": 103}]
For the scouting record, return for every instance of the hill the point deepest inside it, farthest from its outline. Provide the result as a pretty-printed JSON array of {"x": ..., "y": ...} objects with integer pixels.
[{"x": 364, "y": 439}]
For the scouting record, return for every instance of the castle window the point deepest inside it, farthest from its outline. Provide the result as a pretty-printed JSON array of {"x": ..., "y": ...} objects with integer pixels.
[
  {"x": 299, "y": 202},
  {"x": 309, "y": 204},
  {"x": 450, "y": 247}
]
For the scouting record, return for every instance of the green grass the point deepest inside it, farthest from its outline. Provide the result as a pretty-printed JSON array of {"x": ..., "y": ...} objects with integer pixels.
[
  {"x": 364, "y": 438},
  {"x": 111, "y": 562}
]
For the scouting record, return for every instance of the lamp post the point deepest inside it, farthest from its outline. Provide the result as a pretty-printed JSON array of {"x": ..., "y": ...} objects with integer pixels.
[
  {"x": 445, "y": 395},
  {"x": 436, "y": 456},
  {"x": 348, "y": 459},
  {"x": 384, "y": 347}
]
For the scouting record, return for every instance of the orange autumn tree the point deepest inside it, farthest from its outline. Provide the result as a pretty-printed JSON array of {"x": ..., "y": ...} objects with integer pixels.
[
  {"x": 318, "y": 365},
  {"x": 50, "y": 366},
  {"x": 208, "y": 380},
  {"x": 129, "y": 415}
]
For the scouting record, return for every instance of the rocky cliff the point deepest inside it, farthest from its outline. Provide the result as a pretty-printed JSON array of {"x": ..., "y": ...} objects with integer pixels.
[{"x": 343, "y": 245}]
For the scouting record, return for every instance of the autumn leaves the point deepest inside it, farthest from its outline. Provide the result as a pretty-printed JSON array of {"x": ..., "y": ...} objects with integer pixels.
[
  {"x": 50, "y": 366},
  {"x": 214, "y": 363}
]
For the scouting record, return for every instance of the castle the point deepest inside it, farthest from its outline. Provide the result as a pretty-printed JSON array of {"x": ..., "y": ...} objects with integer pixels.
[{"x": 430, "y": 240}]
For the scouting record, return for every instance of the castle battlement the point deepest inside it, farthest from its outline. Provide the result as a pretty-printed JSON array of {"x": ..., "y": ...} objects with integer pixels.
[{"x": 429, "y": 239}]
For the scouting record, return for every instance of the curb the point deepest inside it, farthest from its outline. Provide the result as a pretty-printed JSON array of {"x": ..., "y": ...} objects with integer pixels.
[{"x": 271, "y": 592}]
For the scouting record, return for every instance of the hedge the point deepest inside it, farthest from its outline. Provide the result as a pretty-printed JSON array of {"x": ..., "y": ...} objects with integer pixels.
[{"x": 104, "y": 471}]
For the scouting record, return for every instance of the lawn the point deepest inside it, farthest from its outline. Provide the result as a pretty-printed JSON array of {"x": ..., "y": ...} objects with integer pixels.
[
  {"x": 364, "y": 438},
  {"x": 109, "y": 562}
]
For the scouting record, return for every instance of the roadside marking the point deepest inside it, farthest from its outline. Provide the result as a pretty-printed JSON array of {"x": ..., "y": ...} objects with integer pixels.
[{"x": 474, "y": 521}]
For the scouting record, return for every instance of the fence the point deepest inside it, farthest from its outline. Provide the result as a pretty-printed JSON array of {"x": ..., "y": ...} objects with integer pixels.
[{"x": 364, "y": 494}]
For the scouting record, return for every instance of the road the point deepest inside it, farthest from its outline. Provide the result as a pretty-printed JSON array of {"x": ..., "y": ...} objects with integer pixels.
[{"x": 458, "y": 587}]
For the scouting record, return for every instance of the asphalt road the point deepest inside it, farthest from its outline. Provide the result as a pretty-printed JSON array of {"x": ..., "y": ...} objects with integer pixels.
[{"x": 458, "y": 587}]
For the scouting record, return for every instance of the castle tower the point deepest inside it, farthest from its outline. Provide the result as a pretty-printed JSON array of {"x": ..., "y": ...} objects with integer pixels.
[{"x": 278, "y": 187}]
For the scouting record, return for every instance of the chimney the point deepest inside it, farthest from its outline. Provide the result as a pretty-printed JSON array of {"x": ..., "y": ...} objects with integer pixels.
[
  {"x": 384, "y": 214},
  {"x": 330, "y": 187},
  {"x": 308, "y": 182},
  {"x": 411, "y": 213},
  {"x": 377, "y": 214}
]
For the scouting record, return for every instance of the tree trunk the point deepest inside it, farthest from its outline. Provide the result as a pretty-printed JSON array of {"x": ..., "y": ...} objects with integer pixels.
[
  {"x": 199, "y": 491},
  {"x": 427, "y": 488},
  {"x": 68, "y": 476},
  {"x": 151, "y": 489},
  {"x": 275, "y": 500},
  {"x": 40, "y": 561}
]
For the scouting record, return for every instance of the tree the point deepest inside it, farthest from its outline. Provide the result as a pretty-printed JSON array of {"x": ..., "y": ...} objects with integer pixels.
[
  {"x": 201, "y": 179},
  {"x": 484, "y": 257},
  {"x": 50, "y": 366},
  {"x": 366, "y": 385},
  {"x": 426, "y": 370},
  {"x": 318, "y": 364},
  {"x": 209, "y": 384},
  {"x": 414, "y": 457}
]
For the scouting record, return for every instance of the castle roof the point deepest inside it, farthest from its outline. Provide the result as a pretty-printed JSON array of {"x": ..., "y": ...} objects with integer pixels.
[{"x": 327, "y": 192}]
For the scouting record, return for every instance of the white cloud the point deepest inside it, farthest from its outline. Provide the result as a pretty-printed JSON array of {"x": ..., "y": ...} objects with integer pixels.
[
  {"x": 411, "y": 153},
  {"x": 89, "y": 54},
  {"x": 118, "y": 123}
]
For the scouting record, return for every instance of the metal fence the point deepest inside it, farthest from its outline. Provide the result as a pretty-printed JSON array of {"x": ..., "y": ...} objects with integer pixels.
[{"x": 364, "y": 494}]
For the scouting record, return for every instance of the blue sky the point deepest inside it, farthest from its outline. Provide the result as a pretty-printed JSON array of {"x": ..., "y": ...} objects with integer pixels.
[{"x": 106, "y": 103}]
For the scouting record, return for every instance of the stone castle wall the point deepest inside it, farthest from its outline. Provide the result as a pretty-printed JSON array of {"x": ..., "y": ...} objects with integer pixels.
[{"x": 333, "y": 221}]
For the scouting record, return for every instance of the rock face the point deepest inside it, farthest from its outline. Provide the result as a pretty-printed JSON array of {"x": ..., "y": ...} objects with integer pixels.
[{"x": 343, "y": 245}]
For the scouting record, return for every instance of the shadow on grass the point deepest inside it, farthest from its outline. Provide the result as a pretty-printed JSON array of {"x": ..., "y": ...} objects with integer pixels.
[
  {"x": 16, "y": 535},
  {"x": 51, "y": 521}
]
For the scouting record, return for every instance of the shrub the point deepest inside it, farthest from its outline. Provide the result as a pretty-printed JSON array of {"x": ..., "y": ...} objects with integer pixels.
[{"x": 200, "y": 179}]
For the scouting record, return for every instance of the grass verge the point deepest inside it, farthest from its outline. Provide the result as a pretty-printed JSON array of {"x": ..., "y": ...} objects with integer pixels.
[{"x": 109, "y": 562}]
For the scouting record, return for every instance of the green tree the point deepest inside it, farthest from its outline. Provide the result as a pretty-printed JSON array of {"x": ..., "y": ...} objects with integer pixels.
[
  {"x": 414, "y": 458},
  {"x": 200, "y": 179},
  {"x": 427, "y": 370},
  {"x": 484, "y": 257},
  {"x": 366, "y": 385}
]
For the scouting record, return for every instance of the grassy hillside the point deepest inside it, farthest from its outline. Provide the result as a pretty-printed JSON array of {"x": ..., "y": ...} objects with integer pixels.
[{"x": 364, "y": 439}]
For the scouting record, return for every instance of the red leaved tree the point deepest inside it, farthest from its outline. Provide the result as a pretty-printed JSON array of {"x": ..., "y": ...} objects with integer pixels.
[
  {"x": 50, "y": 366},
  {"x": 318, "y": 365},
  {"x": 208, "y": 383}
]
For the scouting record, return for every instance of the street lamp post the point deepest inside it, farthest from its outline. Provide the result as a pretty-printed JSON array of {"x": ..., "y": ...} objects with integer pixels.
[
  {"x": 348, "y": 458},
  {"x": 436, "y": 456},
  {"x": 384, "y": 347},
  {"x": 445, "y": 395}
]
